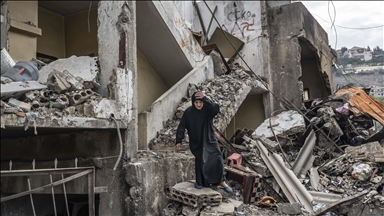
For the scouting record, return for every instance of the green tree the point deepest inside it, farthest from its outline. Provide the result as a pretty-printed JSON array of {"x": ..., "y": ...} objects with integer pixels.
[
  {"x": 368, "y": 48},
  {"x": 343, "y": 49}
]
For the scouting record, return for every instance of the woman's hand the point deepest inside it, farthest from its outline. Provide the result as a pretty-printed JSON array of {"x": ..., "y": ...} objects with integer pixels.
[
  {"x": 199, "y": 95},
  {"x": 177, "y": 147}
]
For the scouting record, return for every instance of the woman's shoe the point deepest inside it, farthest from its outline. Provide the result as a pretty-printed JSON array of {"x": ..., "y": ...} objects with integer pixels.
[
  {"x": 197, "y": 186},
  {"x": 227, "y": 189}
]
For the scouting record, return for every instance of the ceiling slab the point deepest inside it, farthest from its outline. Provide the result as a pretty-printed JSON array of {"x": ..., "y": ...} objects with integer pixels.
[{"x": 67, "y": 8}]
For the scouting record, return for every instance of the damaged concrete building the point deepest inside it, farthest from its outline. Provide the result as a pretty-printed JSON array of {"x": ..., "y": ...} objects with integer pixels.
[{"x": 98, "y": 137}]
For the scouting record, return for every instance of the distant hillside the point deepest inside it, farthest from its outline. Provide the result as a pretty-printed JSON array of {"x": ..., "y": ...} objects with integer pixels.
[{"x": 359, "y": 79}]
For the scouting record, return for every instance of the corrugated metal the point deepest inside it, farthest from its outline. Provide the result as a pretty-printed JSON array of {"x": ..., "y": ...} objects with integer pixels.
[
  {"x": 286, "y": 179},
  {"x": 325, "y": 198},
  {"x": 361, "y": 103},
  {"x": 305, "y": 158}
]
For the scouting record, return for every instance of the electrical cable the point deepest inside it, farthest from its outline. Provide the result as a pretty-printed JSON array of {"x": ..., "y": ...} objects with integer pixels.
[
  {"x": 237, "y": 52},
  {"x": 121, "y": 143},
  {"x": 333, "y": 20},
  {"x": 89, "y": 10},
  {"x": 357, "y": 28}
]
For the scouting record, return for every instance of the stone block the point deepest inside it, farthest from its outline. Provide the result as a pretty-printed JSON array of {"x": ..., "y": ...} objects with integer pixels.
[
  {"x": 83, "y": 67},
  {"x": 58, "y": 84},
  {"x": 238, "y": 205},
  {"x": 186, "y": 193},
  {"x": 289, "y": 208},
  {"x": 286, "y": 123},
  {"x": 190, "y": 211},
  {"x": 149, "y": 176},
  {"x": 224, "y": 209}
]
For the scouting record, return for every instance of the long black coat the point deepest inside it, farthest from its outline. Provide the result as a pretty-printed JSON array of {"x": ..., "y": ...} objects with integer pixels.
[{"x": 202, "y": 139}]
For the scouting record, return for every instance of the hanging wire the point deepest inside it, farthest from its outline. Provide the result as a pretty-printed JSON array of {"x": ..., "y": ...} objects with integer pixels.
[
  {"x": 237, "y": 52},
  {"x": 354, "y": 28},
  {"x": 89, "y": 10}
]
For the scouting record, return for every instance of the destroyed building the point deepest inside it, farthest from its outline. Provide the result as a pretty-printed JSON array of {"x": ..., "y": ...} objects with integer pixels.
[{"x": 94, "y": 134}]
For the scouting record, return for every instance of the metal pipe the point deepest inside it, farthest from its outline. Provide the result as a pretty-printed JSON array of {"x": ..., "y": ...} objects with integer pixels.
[
  {"x": 30, "y": 195},
  {"x": 53, "y": 196},
  {"x": 121, "y": 142},
  {"x": 65, "y": 195}
]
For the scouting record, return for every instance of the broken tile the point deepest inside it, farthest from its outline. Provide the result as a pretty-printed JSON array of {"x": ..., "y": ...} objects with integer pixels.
[{"x": 285, "y": 123}]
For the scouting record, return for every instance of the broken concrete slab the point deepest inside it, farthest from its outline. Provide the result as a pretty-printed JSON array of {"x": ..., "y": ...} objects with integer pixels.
[
  {"x": 83, "y": 66},
  {"x": 224, "y": 209},
  {"x": 286, "y": 123},
  {"x": 186, "y": 193},
  {"x": 76, "y": 83},
  {"x": 372, "y": 152},
  {"x": 57, "y": 83},
  {"x": 237, "y": 204},
  {"x": 190, "y": 211},
  {"x": 289, "y": 208},
  {"x": 16, "y": 89}
]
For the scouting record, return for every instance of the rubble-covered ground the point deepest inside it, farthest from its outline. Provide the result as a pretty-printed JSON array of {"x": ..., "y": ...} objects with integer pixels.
[
  {"x": 333, "y": 147},
  {"x": 227, "y": 90},
  {"x": 66, "y": 87}
]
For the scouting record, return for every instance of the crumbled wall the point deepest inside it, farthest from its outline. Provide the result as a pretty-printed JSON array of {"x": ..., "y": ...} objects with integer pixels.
[
  {"x": 285, "y": 70},
  {"x": 149, "y": 177}
]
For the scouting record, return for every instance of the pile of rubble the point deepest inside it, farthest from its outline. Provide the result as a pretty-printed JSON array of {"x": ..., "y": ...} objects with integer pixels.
[
  {"x": 65, "y": 87},
  {"x": 228, "y": 90},
  {"x": 325, "y": 158}
]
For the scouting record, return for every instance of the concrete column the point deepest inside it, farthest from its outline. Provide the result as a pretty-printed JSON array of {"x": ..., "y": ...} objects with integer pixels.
[
  {"x": 4, "y": 25},
  {"x": 117, "y": 57}
]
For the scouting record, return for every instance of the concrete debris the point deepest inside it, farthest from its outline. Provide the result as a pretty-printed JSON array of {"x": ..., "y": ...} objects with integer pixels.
[
  {"x": 289, "y": 209},
  {"x": 307, "y": 164},
  {"x": 82, "y": 67},
  {"x": 224, "y": 209},
  {"x": 17, "y": 89},
  {"x": 186, "y": 193},
  {"x": 228, "y": 90},
  {"x": 190, "y": 211},
  {"x": 286, "y": 123},
  {"x": 372, "y": 152}
]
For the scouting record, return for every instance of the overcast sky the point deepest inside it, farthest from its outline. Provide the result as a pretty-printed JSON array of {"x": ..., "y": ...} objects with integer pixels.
[{"x": 351, "y": 14}]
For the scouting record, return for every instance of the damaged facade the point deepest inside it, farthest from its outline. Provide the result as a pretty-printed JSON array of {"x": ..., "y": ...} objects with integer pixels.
[{"x": 114, "y": 78}]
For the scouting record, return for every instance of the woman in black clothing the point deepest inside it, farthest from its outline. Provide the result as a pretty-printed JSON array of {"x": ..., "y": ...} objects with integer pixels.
[{"x": 198, "y": 120}]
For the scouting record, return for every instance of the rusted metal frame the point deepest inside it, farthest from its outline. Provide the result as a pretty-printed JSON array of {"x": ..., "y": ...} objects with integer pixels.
[
  {"x": 91, "y": 192},
  {"x": 53, "y": 196},
  {"x": 30, "y": 196},
  {"x": 232, "y": 149},
  {"x": 65, "y": 195},
  {"x": 277, "y": 140},
  {"x": 317, "y": 128},
  {"x": 56, "y": 183},
  {"x": 342, "y": 201},
  {"x": 210, "y": 23},
  {"x": 8, "y": 173},
  {"x": 201, "y": 21}
]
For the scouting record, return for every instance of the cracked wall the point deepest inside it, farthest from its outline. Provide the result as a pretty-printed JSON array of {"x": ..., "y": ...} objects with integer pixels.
[{"x": 285, "y": 69}]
